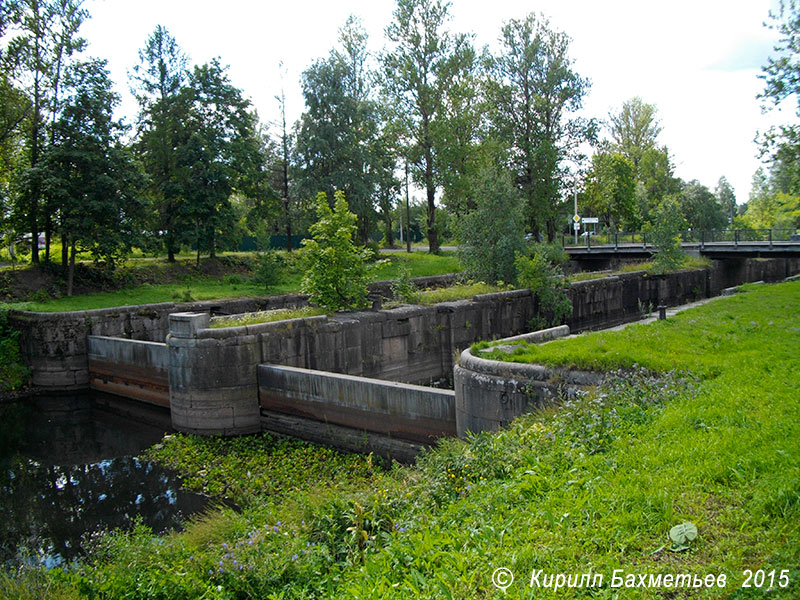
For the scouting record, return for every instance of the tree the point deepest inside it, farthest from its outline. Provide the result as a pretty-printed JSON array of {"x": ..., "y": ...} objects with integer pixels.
[
  {"x": 611, "y": 191},
  {"x": 418, "y": 73},
  {"x": 336, "y": 275},
  {"x": 726, "y": 198},
  {"x": 338, "y": 134},
  {"x": 700, "y": 207},
  {"x": 668, "y": 223},
  {"x": 91, "y": 177},
  {"x": 159, "y": 78},
  {"x": 491, "y": 234},
  {"x": 634, "y": 129},
  {"x": 533, "y": 88},
  {"x": 655, "y": 181},
  {"x": 46, "y": 35},
  {"x": 220, "y": 150},
  {"x": 781, "y": 145}
]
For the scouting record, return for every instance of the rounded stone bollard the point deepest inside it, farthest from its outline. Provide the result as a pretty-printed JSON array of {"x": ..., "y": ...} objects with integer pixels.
[{"x": 213, "y": 387}]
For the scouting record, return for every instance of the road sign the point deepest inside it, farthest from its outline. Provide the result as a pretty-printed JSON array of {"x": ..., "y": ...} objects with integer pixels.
[
  {"x": 587, "y": 220},
  {"x": 576, "y": 225},
  {"x": 576, "y": 218}
]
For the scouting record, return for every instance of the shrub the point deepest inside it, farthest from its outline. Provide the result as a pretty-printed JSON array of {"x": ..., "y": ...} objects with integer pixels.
[
  {"x": 546, "y": 280},
  {"x": 492, "y": 233},
  {"x": 13, "y": 373},
  {"x": 669, "y": 221},
  {"x": 336, "y": 274},
  {"x": 268, "y": 269},
  {"x": 402, "y": 288}
]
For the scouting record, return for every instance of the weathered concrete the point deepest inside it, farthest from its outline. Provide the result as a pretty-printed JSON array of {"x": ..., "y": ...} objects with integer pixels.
[
  {"x": 409, "y": 412},
  {"x": 54, "y": 344},
  {"x": 130, "y": 368},
  {"x": 212, "y": 383},
  {"x": 490, "y": 394}
]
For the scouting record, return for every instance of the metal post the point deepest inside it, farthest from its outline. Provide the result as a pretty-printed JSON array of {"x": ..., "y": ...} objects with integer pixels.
[
  {"x": 575, "y": 198},
  {"x": 735, "y": 237},
  {"x": 770, "y": 239},
  {"x": 662, "y": 312},
  {"x": 616, "y": 240}
]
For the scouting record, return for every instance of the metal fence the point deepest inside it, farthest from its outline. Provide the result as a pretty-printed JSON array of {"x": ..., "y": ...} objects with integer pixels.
[{"x": 700, "y": 237}]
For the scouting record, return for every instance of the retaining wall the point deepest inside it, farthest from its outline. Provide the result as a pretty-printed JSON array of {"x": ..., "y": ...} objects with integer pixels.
[
  {"x": 408, "y": 412},
  {"x": 129, "y": 368},
  {"x": 54, "y": 344}
]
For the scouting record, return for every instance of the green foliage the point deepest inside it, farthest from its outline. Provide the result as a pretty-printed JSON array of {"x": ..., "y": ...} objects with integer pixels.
[
  {"x": 665, "y": 234},
  {"x": 635, "y": 129},
  {"x": 403, "y": 289},
  {"x": 267, "y": 316},
  {"x": 541, "y": 273},
  {"x": 681, "y": 535},
  {"x": 13, "y": 373},
  {"x": 491, "y": 234},
  {"x": 611, "y": 191},
  {"x": 701, "y": 209},
  {"x": 532, "y": 90},
  {"x": 336, "y": 275},
  {"x": 268, "y": 269}
]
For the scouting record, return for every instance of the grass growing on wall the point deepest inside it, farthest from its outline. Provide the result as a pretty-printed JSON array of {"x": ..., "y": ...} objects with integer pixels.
[
  {"x": 267, "y": 316},
  {"x": 195, "y": 286},
  {"x": 591, "y": 486}
]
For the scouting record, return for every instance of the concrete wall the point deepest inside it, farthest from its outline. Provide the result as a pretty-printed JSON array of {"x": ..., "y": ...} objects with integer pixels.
[
  {"x": 412, "y": 343},
  {"x": 130, "y": 368},
  {"x": 408, "y": 412},
  {"x": 490, "y": 394},
  {"x": 54, "y": 344}
]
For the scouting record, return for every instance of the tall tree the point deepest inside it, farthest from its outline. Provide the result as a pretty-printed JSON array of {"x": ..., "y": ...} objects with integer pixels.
[
  {"x": 534, "y": 88},
  {"x": 221, "y": 150},
  {"x": 700, "y": 207},
  {"x": 726, "y": 197},
  {"x": 611, "y": 191},
  {"x": 45, "y": 36},
  {"x": 89, "y": 173},
  {"x": 419, "y": 71},
  {"x": 158, "y": 80},
  {"x": 634, "y": 129}
]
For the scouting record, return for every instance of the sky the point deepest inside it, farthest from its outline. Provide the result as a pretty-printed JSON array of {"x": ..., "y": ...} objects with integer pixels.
[{"x": 697, "y": 61}]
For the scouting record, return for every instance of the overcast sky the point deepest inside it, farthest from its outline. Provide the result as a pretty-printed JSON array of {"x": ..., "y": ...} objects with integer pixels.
[{"x": 697, "y": 60}]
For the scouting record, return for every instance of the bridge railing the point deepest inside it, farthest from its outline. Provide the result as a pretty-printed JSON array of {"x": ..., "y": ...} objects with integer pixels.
[{"x": 689, "y": 236}]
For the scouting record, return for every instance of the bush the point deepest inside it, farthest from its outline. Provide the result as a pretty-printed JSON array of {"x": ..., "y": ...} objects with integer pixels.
[
  {"x": 336, "y": 274},
  {"x": 492, "y": 234},
  {"x": 268, "y": 269},
  {"x": 546, "y": 280},
  {"x": 669, "y": 221},
  {"x": 13, "y": 373},
  {"x": 403, "y": 290}
]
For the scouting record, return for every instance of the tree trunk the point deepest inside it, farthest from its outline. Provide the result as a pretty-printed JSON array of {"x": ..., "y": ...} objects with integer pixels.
[
  {"x": 71, "y": 273},
  {"x": 64, "y": 255},
  {"x": 433, "y": 235}
]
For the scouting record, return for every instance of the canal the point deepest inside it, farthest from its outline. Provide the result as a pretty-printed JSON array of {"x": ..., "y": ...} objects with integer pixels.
[{"x": 70, "y": 470}]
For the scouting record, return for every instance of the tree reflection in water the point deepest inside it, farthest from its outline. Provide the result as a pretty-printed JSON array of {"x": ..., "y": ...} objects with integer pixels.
[{"x": 67, "y": 468}]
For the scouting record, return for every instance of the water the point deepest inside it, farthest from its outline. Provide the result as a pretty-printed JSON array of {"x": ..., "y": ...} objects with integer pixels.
[{"x": 68, "y": 469}]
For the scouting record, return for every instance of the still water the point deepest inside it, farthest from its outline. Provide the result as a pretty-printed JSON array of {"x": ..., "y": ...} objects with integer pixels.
[{"x": 68, "y": 469}]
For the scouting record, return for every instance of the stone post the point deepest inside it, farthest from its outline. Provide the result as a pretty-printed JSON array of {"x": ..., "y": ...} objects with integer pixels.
[{"x": 213, "y": 387}]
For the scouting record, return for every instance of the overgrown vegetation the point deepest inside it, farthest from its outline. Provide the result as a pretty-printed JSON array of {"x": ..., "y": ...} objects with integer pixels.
[
  {"x": 540, "y": 270},
  {"x": 336, "y": 270},
  {"x": 266, "y": 316},
  {"x": 705, "y": 430},
  {"x": 13, "y": 372}
]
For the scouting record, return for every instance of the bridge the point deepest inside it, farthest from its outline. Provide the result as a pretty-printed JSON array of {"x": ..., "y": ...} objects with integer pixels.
[{"x": 714, "y": 244}]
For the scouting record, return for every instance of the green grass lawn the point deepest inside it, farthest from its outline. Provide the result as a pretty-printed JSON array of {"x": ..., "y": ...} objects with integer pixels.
[
  {"x": 199, "y": 287},
  {"x": 705, "y": 429}
]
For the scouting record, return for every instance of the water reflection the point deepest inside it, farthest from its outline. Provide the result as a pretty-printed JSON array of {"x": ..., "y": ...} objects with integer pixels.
[{"x": 67, "y": 468}]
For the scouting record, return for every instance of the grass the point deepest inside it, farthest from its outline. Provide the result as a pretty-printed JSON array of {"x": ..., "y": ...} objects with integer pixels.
[
  {"x": 267, "y": 316},
  {"x": 195, "y": 287},
  {"x": 689, "y": 263},
  {"x": 706, "y": 429}
]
